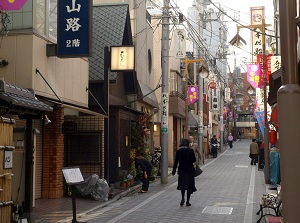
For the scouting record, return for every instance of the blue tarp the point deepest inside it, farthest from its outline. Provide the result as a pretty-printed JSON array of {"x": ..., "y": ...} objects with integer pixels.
[{"x": 274, "y": 168}]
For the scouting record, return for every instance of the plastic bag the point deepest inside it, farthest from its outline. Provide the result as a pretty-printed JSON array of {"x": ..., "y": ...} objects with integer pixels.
[
  {"x": 90, "y": 182},
  {"x": 100, "y": 191}
]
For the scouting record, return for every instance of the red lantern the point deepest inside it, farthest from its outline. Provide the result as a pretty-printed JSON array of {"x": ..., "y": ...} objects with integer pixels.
[{"x": 273, "y": 137}]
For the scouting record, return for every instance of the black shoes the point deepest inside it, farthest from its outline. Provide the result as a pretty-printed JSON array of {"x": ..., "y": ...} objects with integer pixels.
[{"x": 182, "y": 202}]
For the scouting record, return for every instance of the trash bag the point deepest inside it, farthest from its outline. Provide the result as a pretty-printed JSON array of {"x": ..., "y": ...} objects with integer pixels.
[
  {"x": 100, "y": 190},
  {"x": 89, "y": 184}
]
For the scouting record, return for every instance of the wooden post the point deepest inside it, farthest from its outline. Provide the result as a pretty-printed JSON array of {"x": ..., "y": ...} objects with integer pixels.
[{"x": 6, "y": 142}]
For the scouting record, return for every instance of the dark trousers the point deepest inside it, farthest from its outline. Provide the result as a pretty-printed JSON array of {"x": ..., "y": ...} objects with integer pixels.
[
  {"x": 254, "y": 159},
  {"x": 230, "y": 144},
  {"x": 146, "y": 182}
]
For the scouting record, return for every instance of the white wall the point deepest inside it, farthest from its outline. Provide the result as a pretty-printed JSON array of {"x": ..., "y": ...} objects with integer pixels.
[{"x": 26, "y": 53}]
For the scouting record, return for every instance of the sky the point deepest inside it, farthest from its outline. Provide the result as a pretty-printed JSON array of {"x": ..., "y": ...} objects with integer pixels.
[{"x": 241, "y": 8}]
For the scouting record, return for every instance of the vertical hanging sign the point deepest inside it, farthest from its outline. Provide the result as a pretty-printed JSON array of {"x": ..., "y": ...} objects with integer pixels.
[
  {"x": 275, "y": 63},
  {"x": 74, "y": 26},
  {"x": 179, "y": 43},
  {"x": 257, "y": 14},
  {"x": 215, "y": 101},
  {"x": 164, "y": 112},
  {"x": 192, "y": 94}
]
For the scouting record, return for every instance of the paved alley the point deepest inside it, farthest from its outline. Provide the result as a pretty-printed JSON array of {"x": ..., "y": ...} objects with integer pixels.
[{"x": 228, "y": 191}]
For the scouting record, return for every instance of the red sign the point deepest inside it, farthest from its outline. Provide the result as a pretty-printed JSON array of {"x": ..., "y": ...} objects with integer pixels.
[
  {"x": 12, "y": 5},
  {"x": 212, "y": 85},
  {"x": 268, "y": 67}
]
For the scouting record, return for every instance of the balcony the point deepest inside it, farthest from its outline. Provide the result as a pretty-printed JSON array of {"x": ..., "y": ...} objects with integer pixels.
[
  {"x": 245, "y": 120},
  {"x": 177, "y": 104}
]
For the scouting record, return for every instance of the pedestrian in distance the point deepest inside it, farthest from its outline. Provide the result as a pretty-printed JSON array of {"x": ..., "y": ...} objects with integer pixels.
[
  {"x": 185, "y": 157},
  {"x": 146, "y": 167},
  {"x": 230, "y": 140},
  {"x": 195, "y": 148},
  {"x": 254, "y": 150},
  {"x": 214, "y": 146}
]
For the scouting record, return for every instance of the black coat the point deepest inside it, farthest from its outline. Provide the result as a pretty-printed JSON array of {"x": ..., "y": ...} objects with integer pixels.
[
  {"x": 144, "y": 164},
  {"x": 185, "y": 157}
]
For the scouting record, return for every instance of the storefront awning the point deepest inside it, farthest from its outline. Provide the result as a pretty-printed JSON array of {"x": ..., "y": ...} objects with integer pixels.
[
  {"x": 148, "y": 95},
  {"x": 20, "y": 101},
  {"x": 275, "y": 84},
  {"x": 193, "y": 120}
]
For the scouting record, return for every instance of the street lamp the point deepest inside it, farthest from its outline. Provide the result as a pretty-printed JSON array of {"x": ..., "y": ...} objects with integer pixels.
[
  {"x": 187, "y": 62},
  {"x": 203, "y": 73},
  {"x": 250, "y": 90}
]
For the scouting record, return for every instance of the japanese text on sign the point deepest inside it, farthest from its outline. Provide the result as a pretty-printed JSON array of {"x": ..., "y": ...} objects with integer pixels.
[
  {"x": 164, "y": 112},
  {"x": 74, "y": 28}
]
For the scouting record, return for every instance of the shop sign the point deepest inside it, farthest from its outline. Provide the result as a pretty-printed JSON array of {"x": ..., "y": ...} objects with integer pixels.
[
  {"x": 215, "y": 99},
  {"x": 69, "y": 127},
  {"x": 74, "y": 28}
]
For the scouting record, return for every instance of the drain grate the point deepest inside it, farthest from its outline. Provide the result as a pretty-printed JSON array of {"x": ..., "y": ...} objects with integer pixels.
[
  {"x": 217, "y": 210},
  {"x": 241, "y": 166}
]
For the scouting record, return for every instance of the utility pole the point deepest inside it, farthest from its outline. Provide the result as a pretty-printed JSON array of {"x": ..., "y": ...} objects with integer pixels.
[
  {"x": 165, "y": 92},
  {"x": 266, "y": 126},
  {"x": 288, "y": 97},
  {"x": 200, "y": 116},
  {"x": 221, "y": 118}
]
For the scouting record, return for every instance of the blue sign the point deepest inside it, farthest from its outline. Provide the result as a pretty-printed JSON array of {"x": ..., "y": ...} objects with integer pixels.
[
  {"x": 74, "y": 26},
  {"x": 261, "y": 121}
]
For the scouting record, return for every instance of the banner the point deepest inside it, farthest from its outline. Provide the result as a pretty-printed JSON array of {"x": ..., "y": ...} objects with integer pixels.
[
  {"x": 254, "y": 74},
  {"x": 192, "y": 94},
  {"x": 261, "y": 121},
  {"x": 268, "y": 68}
]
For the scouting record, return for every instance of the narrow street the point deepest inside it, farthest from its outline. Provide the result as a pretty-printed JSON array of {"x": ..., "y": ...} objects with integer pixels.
[{"x": 228, "y": 191}]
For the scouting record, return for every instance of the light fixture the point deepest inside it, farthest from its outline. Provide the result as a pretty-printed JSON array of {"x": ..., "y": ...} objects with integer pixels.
[
  {"x": 250, "y": 102},
  {"x": 203, "y": 72},
  {"x": 154, "y": 127},
  {"x": 250, "y": 90},
  {"x": 46, "y": 120}
]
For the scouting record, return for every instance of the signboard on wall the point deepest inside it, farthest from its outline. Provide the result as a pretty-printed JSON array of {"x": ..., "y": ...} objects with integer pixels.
[
  {"x": 8, "y": 159},
  {"x": 74, "y": 28}
]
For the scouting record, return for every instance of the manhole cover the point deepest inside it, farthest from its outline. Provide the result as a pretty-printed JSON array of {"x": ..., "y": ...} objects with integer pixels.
[
  {"x": 241, "y": 166},
  {"x": 217, "y": 210}
]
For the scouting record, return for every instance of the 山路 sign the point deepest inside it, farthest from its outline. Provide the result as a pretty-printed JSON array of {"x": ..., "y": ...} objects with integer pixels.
[{"x": 74, "y": 26}]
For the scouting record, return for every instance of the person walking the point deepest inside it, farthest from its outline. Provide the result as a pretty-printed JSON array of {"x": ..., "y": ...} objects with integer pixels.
[
  {"x": 185, "y": 157},
  {"x": 230, "y": 140},
  {"x": 254, "y": 150},
  {"x": 214, "y": 146},
  {"x": 195, "y": 148},
  {"x": 146, "y": 167}
]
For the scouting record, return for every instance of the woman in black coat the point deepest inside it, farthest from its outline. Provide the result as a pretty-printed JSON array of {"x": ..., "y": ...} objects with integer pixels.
[{"x": 186, "y": 170}]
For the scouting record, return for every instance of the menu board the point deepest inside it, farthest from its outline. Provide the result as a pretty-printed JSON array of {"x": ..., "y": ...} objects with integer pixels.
[{"x": 72, "y": 175}]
